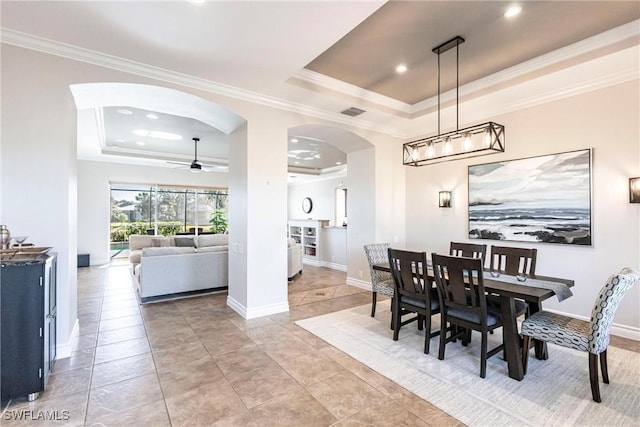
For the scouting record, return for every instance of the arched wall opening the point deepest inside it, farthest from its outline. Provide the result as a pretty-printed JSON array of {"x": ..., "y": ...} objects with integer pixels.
[{"x": 340, "y": 244}]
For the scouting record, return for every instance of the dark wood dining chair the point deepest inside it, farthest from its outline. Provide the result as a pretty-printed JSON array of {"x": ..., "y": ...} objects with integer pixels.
[
  {"x": 512, "y": 261},
  {"x": 469, "y": 250},
  {"x": 414, "y": 292},
  {"x": 592, "y": 336},
  {"x": 381, "y": 281},
  {"x": 464, "y": 304}
]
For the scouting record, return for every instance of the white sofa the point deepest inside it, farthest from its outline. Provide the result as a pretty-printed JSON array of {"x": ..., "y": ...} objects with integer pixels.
[
  {"x": 294, "y": 258},
  {"x": 173, "y": 271}
]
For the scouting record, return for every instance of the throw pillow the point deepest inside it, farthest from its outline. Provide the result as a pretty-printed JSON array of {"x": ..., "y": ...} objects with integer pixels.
[
  {"x": 159, "y": 242},
  {"x": 184, "y": 242}
]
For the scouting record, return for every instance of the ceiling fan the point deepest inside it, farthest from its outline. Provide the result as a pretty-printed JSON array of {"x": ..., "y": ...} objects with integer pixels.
[{"x": 195, "y": 165}]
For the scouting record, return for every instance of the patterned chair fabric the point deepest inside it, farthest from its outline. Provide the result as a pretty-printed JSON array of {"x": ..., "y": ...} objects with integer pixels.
[
  {"x": 381, "y": 281},
  {"x": 592, "y": 336}
]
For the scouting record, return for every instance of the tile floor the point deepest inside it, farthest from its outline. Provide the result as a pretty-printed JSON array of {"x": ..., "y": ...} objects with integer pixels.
[{"x": 196, "y": 362}]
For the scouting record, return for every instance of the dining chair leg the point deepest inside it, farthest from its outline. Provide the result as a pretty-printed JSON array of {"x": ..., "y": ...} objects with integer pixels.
[
  {"x": 374, "y": 298},
  {"x": 593, "y": 377},
  {"x": 443, "y": 336},
  {"x": 483, "y": 355},
  {"x": 603, "y": 367},
  {"x": 396, "y": 322},
  {"x": 525, "y": 353},
  {"x": 427, "y": 334}
]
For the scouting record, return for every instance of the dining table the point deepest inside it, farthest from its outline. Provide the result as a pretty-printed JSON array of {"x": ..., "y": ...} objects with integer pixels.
[{"x": 508, "y": 288}]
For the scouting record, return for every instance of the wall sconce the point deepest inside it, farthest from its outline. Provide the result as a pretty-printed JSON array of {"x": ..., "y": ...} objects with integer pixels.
[
  {"x": 444, "y": 199},
  {"x": 634, "y": 190}
]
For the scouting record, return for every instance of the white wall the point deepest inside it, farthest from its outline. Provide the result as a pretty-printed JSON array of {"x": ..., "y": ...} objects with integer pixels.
[
  {"x": 321, "y": 192},
  {"x": 606, "y": 120},
  {"x": 39, "y": 169},
  {"x": 94, "y": 179}
]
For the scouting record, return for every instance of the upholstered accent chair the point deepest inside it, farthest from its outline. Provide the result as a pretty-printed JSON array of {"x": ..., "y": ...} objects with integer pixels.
[
  {"x": 381, "y": 281},
  {"x": 414, "y": 292},
  {"x": 592, "y": 336}
]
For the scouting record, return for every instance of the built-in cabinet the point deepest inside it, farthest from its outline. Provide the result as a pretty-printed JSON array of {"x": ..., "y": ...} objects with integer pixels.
[
  {"x": 308, "y": 234},
  {"x": 28, "y": 325}
]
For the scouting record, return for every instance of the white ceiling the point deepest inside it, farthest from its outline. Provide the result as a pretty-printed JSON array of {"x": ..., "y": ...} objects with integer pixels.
[{"x": 267, "y": 49}]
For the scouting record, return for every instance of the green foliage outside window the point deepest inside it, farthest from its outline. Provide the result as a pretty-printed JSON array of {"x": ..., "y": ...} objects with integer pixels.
[{"x": 218, "y": 221}]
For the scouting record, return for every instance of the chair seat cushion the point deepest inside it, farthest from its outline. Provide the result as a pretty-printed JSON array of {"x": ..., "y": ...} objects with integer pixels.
[
  {"x": 493, "y": 316},
  {"x": 520, "y": 305},
  {"x": 558, "y": 329},
  {"x": 421, "y": 303},
  {"x": 384, "y": 287}
]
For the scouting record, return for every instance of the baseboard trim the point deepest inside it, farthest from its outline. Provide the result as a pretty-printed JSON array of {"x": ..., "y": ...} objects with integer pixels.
[
  {"x": 64, "y": 350},
  {"x": 359, "y": 283},
  {"x": 255, "y": 312},
  {"x": 617, "y": 329},
  {"x": 334, "y": 266}
]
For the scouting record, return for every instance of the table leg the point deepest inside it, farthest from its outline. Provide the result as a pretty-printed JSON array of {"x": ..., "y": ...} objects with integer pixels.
[
  {"x": 540, "y": 346},
  {"x": 511, "y": 338}
]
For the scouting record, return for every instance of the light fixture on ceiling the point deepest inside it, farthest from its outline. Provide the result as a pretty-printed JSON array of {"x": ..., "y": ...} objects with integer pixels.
[
  {"x": 152, "y": 116},
  {"x": 472, "y": 141},
  {"x": 512, "y": 11},
  {"x": 124, "y": 111},
  {"x": 400, "y": 69}
]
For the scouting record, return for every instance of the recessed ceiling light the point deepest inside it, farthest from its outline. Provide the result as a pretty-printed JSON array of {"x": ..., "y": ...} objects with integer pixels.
[
  {"x": 317, "y": 156},
  {"x": 120, "y": 140},
  {"x": 158, "y": 134},
  {"x": 401, "y": 68},
  {"x": 152, "y": 116},
  {"x": 124, "y": 111},
  {"x": 512, "y": 11},
  {"x": 296, "y": 162},
  {"x": 294, "y": 140},
  {"x": 140, "y": 142},
  {"x": 165, "y": 135},
  {"x": 338, "y": 163}
]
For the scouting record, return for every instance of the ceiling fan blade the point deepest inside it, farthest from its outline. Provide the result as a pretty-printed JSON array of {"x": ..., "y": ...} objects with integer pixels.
[{"x": 179, "y": 163}]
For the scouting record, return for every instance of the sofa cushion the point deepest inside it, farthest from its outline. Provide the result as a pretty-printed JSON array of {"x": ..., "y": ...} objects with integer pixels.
[
  {"x": 221, "y": 248},
  {"x": 207, "y": 240},
  {"x": 139, "y": 241},
  {"x": 184, "y": 242},
  {"x": 169, "y": 250},
  {"x": 159, "y": 242},
  {"x": 134, "y": 256}
]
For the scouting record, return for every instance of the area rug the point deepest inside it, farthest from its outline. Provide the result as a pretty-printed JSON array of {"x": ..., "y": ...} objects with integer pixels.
[{"x": 554, "y": 391}]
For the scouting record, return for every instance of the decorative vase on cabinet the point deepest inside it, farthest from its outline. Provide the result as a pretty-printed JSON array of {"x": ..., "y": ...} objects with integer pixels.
[{"x": 28, "y": 325}]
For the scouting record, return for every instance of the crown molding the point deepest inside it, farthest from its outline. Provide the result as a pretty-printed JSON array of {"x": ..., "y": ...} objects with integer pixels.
[{"x": 80, "y": 54}]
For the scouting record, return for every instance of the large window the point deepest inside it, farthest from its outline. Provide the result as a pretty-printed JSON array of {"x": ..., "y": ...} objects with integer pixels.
[{"x": 166, "y": 210}]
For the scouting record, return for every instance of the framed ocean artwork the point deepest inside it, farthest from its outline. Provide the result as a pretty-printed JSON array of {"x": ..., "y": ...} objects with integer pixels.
[{"x": 537, "y": 199}]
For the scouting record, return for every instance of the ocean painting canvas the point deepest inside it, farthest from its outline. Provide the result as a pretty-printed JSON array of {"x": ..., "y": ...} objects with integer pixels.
[{"x": 538, "y": 199}]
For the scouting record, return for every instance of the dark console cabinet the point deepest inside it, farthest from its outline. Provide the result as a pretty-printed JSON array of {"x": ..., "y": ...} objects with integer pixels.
[{"x": 28, "y": 324}]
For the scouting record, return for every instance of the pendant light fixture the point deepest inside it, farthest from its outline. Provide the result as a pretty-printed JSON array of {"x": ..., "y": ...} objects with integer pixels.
[{"x": 472, "y": 141}]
